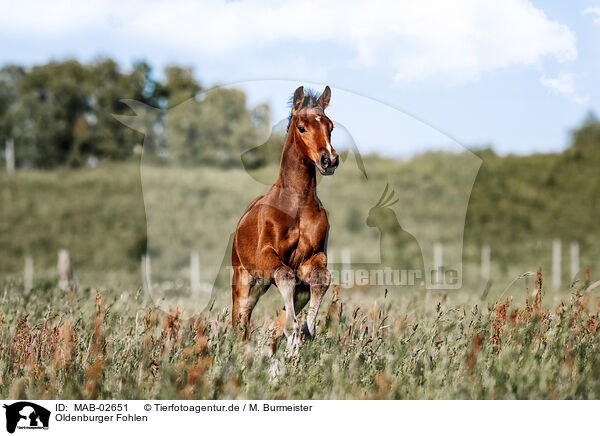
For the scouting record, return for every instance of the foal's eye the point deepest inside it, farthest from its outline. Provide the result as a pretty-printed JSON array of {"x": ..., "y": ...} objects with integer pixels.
[{"x": 301, "y": 129}]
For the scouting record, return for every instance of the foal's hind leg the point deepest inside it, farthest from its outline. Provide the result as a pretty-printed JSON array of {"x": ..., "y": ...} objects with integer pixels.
[{"x": 245, "y": 295}]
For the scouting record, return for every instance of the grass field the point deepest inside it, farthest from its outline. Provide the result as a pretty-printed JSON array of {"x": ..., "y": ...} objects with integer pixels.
[
  {"x": 112, "y": 344},
  {"x": 108, "y": 340},
  {"x": 105, "y": 217}
]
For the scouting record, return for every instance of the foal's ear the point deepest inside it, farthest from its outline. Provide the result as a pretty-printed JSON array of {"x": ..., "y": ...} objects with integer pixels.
[
  {"x": 298, "y": 100},
  {"x": 323, "y": 100}
]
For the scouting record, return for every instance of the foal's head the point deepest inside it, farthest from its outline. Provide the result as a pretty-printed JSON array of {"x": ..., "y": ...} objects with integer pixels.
[{"x": 311, "y": 130}]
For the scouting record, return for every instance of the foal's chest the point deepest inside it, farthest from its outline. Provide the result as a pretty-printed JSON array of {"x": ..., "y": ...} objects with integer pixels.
[{"x": 304, "y": 237}]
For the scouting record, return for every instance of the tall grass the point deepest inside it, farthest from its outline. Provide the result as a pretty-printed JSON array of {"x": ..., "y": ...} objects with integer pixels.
[{"x": 93, "y": 344}]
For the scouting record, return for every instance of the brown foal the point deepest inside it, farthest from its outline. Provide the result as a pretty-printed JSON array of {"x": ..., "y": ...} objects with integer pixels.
[{"x": 282, "y": 235}]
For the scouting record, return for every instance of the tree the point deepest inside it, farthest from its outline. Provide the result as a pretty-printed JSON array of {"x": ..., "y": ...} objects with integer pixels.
[
  {"x": 61, "y": 113},
  {"x": 585, "y": 140},
  {"x": 215, "y": 130},
  {"x": 180, "y": 85}
]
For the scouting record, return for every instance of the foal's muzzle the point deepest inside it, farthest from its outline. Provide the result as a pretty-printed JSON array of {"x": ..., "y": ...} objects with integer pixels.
[{"x": 328, "y": 162}]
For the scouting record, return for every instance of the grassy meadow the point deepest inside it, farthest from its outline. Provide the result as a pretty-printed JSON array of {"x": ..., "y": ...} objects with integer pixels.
[
  {"x": 106, "y": 339},
  {"x": 111, "y": 344},
  {"x": 107, "y": 219}
]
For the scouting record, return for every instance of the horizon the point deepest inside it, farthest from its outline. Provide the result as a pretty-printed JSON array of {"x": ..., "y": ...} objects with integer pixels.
[
  {"x": 519, "y": 87},
  {"x": 279, "y": 108}
]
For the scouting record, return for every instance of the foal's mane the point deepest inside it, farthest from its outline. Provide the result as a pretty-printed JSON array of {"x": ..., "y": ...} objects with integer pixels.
[{"x": 310, "y": 100}]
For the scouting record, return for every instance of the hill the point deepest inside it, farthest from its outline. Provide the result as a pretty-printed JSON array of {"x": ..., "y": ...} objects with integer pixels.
[{"x": 519, "y": 204}]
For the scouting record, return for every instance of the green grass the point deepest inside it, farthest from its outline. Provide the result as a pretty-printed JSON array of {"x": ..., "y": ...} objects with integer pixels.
[
  {"x": 105, "y": 217},
  {"x": 372, "y": 345},
  {"x": 111, "y": 344}
]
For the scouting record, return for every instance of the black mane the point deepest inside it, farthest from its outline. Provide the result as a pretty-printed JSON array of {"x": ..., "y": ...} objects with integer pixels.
[{"x": 310, "y": 100}]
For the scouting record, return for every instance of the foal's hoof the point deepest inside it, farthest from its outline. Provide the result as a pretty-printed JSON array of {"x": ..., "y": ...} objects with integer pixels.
[
  {"x": 293, "y": 346},
  {"x": 305, "y": 333}
]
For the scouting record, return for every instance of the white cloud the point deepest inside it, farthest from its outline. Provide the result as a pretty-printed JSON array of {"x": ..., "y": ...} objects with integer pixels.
[
  {"x": 593, "y": 11},
  {"x": 432, "y": 39},
  {"x": 564, "y": 84}
]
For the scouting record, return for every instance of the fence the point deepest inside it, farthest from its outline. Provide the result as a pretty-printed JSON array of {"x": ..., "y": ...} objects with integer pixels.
[{"x": 67, "y": 279}]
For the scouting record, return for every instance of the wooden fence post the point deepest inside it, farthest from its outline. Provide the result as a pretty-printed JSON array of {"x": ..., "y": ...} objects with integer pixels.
[
  {"x": 28, "y": 279},
  {"x": 556, "y": 272},
  {"x": 574, "y": 259},
  {"x": 346, "y": 278},
  {"x": 485, "y": 263},
  {"x": 195, "y": 272},
  {"x": 146, "y": 283},
  {"x": 438, "y": 251},
  {"x": 9, "y": 154},
  {"x": 65, "y": 273}
]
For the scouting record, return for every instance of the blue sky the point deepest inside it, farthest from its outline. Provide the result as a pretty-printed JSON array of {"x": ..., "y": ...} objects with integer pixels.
[{"x": 513, "y": 74}]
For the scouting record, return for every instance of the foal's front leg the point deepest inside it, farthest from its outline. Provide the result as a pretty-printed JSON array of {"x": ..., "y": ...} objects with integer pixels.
[
  {"x": 285, "y": 279},
  {"x": 315, "y": 272}
]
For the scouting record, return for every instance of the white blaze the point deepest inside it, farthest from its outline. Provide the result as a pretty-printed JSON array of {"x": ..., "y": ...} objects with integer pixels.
[{"x": 328, "y": 145}]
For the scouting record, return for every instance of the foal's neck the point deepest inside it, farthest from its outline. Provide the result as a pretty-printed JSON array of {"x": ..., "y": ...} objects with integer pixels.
[{"x": 295, "y": 173}]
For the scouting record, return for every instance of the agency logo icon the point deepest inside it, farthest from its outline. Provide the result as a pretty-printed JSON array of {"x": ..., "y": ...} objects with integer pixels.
[{"x": 26, "y": 415}]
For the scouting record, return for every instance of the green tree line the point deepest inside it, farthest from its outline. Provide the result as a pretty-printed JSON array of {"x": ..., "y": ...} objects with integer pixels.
[{"x": 61, "y": 114}]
